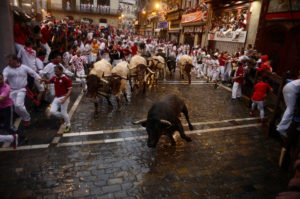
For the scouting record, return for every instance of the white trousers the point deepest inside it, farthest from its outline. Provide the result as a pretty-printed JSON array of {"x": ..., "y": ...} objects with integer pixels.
[
  {"x": 216, "y": 74},
  {"x": 227, "y": 72},
  {"x": 18, "y": 97},
  {"x": 260, "y": 106},
  {"x": 93, "y": 57},
  {"x": 63, "y": 109},
  {"x": 199, "y": 70},
  {"x": 81, "y": 80},
  {"x": 290, "y": 97},
  {"x": 236, "y": 90},
  {"x": 6, "y": 138},
  {"x": 48, "y": 51},
  {"x": 210, "y": 71}
]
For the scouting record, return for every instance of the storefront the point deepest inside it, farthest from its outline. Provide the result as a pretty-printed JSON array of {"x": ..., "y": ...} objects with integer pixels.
[
  {"x": 193, "y": 26},
  {"x": 279, "y": 35},
  {"x": 163, "y": 28},
  {"x": 173, "y": 18}
]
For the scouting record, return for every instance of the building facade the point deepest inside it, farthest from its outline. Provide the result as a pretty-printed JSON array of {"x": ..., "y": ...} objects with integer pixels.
[
  {"x": 279, "y": 34},
  {"x": 98, "y": 12}
]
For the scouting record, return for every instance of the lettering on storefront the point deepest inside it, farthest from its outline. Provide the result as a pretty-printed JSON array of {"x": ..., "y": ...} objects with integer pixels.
[
  {"x": 189, "y": 29},
  {"x": 198, "y": 29},
  {"x": 194, "y": 17},
  {"x": 232, "y": 36},
  {"x": 173, "y": 16}
]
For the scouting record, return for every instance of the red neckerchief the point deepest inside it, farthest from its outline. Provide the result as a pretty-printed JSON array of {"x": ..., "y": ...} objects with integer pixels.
[
  {"x": 29, "y": 50},
  {"x": 55, "y": 62},
  {"x": 41, "y": 58}
]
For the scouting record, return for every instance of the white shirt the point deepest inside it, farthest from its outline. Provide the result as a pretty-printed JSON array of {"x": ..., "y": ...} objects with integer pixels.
[
  {"x": 243, "y": 58},
  {"x": 27, "y": 58},
  {"x": 17, "y": 77},
  {"x": 90, "y": 35},
  {"x": 39, "y": 64},
  {"x": 48, "y": 71},
  {"x": 78, "y": 62}
]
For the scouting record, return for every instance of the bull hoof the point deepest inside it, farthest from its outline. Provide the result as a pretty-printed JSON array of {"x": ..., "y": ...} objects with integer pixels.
[
  {"x": 191, "y": 127},
  {"x": 188, "y": 139}
]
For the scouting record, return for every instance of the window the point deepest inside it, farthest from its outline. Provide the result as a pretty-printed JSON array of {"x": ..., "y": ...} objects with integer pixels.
[{"x": 103, "y": 20}]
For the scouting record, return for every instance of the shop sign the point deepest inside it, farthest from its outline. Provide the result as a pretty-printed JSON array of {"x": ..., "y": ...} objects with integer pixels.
[
  {"x": 193, "y": 17},
  {"x": 163, "y": 24},
  {"x": 173, "y": 16},
  {"x": 189, "y": 29},
  {"x": 232, "y": 36},
  {"x": 198, "y": 29}
]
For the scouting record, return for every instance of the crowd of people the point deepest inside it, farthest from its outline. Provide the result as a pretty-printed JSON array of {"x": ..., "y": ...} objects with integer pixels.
[{"x": 50, "y": 52}]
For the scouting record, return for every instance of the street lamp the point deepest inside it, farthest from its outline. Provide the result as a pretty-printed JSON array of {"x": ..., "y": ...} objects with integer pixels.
[
  {"x": 144, "y": 12},
  {"x": 157, "y": 5}
]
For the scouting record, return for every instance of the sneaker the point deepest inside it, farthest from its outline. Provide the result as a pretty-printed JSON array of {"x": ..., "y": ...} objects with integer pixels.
[
  {"x": 26, "y": 123},
  {"x": 251, "y": 113},
  {"x": 15, "y": 142},
  {"x": 67, "y": 129}
]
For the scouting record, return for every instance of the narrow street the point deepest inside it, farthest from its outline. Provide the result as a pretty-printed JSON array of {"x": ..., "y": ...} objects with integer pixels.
[{"x": 107, "y": 157}]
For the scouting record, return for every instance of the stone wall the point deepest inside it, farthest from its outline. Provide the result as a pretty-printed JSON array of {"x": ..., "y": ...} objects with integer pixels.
[{"x": 6, "y": 33}]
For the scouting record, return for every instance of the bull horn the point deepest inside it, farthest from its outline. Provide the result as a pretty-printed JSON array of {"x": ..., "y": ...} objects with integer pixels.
[
  {"x": 103, "y": 80},
  {"x": 123, "y": 77},
  {"x": 139, "y": 121},
  {"x": 166, "y": 122},
  {"x": 150, "y": 70}
]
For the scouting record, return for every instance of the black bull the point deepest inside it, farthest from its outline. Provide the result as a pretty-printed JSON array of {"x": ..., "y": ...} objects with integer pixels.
[{"x": 163, "y": 119}]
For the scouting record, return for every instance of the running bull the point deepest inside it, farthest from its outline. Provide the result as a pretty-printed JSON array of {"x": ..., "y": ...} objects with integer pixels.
[{"x": 163, "y": 119}]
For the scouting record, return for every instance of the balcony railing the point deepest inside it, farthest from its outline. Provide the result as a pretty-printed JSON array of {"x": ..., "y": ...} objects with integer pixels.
[{"x": 87, "y": 8}]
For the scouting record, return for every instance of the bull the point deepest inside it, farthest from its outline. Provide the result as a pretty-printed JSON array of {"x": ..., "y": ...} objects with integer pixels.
[
  {"x": 171, "y": 63},
  {"x": 98, "y": 82},
  {"x": 163, "y": 119},
  {"x": 186, "y": 65},
  {"x": 138, "y": 73}
]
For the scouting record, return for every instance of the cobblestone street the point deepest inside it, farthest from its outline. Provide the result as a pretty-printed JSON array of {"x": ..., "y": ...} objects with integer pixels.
[{"x": 107, "y": 157}]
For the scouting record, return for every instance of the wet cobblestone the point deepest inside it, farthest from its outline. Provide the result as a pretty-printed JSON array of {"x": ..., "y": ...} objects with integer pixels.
[{"x": 234, "y": 164}]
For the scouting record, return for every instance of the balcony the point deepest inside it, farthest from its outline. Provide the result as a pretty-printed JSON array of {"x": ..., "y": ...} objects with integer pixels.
[{"x": 86, "y": 8}]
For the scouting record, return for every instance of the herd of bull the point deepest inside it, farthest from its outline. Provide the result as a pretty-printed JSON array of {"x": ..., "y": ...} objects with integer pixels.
[
  {"x": 163, "y": 118},
  {"x": 105, "y": 80}
]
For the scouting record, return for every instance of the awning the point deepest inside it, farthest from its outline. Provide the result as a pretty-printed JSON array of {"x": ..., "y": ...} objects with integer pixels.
[{"x": 194, "y": 17}]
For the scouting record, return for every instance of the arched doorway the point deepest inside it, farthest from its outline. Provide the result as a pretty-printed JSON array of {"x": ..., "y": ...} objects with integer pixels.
[
  {"x": 274, "y": 39},
  {"x": 290, "y": 57}
]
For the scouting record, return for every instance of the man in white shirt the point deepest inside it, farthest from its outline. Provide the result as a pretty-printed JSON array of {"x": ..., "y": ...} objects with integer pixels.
[
  {"x": 290, "y": 93},
  {"x": 48, "y": 72},
  {"x": 27, "y": 56},
  {"x": 78, "y": 62},
  {"x": 16, "y": 76}
]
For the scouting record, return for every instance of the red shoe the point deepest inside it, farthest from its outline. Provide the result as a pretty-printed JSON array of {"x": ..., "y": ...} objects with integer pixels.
[{"x": 26, "y": 123}]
